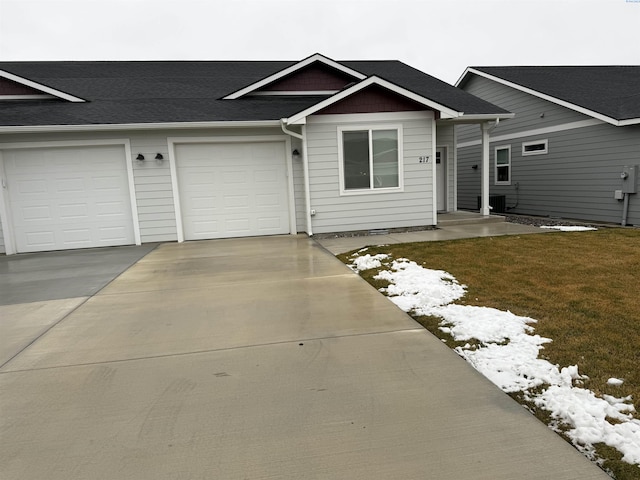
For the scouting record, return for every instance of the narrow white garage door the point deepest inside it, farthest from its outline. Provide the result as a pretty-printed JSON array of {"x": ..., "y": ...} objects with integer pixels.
[
  {"x": 64, "y": 198},
  {"x": 232, "y": 190}
]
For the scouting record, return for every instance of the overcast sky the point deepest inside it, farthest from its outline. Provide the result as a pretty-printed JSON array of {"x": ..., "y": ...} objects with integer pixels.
[{"x": 439, "y": 37}]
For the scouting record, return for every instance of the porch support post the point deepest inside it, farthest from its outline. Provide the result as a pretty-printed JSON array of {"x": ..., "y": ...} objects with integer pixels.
[{"x": 484, "y": 204}]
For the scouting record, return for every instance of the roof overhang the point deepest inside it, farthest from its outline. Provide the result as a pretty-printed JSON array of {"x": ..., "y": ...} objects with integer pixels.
[
  {"x": 37, "y": 86},
  {"x": 480, "y": 118},
  {"x": 300, "y": 117},
  {"x": 572, "y": 106},
  {"x": 136, "y": 126},
  {"x": 293, "y": 68}
]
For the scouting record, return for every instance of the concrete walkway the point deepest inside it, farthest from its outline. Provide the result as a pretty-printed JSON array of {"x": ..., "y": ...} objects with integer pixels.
[
  {"x": 257, "y": 358},
  {"x": 453, "y": 231}
]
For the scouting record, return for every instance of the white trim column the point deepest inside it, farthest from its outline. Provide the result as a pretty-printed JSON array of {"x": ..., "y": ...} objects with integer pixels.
[{"x": 484, "y": 204}]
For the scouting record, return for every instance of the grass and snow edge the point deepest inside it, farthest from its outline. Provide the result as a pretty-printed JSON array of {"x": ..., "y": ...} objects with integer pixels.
[{"x": 505, "y": 350}]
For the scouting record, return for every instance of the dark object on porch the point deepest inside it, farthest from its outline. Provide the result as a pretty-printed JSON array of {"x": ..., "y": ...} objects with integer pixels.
[{"x": 498, "y": 203}]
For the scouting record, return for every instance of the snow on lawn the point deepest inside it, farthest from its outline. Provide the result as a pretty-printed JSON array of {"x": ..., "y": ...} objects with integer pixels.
[
  {"x": 565, "y": 228},
  {"x": 505, "y": 350}
]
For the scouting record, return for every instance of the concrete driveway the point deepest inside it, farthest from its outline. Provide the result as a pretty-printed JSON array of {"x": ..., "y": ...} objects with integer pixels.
[{"x": 255, "y": 358}]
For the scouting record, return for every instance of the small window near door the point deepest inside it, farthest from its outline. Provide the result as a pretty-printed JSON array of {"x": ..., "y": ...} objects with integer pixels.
[
  {"x": 539, "y": 147},
  {"x": 503, "y": 165}
]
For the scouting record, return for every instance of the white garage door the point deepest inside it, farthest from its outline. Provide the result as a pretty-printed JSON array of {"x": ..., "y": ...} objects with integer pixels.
[
  {"x": 64, "y": 198},
  {"x": 232, "y": 190}
]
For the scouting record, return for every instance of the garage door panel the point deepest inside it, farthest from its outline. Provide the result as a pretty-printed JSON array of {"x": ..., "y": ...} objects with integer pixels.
[
  {"x": 236, "y": 202},
  {"x": 107, "y": 184},
  {"x": 236, "y": 177},
  {"x": 35, "y": 213},
  {"x": 38, "y": 240},
  {"x": 68, "y": 198},
  {"x": 32, "y": 187},
  {"x": 73, "y": 212},
  {"x": 203, "y": 228},
  {"x": 265, "y": 224},
  {"x": 232, "y": 190}
]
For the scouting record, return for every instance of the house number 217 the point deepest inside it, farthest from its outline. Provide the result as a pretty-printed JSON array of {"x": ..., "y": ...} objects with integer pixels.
[{"x": 423, "y": 159}]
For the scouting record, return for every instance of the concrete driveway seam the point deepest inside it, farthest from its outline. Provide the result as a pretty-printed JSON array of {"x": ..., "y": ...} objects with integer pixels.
[{"x": 43, "y": 333}]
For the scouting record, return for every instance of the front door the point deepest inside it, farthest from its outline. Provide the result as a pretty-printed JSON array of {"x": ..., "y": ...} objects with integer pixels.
[{"x": 441, "y": 179}]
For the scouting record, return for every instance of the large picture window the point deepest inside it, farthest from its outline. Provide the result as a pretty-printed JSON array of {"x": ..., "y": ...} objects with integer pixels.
[
  {"x": 503, "y": 165},
  {"x": 370, "y": 159}
]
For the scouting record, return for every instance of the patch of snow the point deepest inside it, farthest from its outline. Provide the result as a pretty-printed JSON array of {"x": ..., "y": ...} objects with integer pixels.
[
  {"x": 416, "y": 288},
  {"x": 506, "y": 349},
  {"x": 569, "y": 228},
  {"x": 367, "y": 262},
  {"x": 615, "y": 381}
]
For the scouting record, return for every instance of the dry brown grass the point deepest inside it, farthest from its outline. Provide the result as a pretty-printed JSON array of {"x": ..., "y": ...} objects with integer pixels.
[{"x": 583, "y": 288}]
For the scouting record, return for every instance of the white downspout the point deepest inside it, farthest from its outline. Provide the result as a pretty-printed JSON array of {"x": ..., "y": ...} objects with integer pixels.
[{"x": 305, "y": 170}]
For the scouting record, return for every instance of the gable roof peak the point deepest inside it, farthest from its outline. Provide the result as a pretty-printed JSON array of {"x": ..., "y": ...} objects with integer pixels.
[
  {"x": 39, "y": 87},
  {"x": 315, "y": 58},
  {"x": 605, "y": 92}
]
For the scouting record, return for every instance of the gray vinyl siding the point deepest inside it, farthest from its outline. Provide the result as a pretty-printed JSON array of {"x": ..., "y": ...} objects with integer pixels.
[
  {"x": 2, "y": 249},
  {"x": 575, "y": 180},
  {"x": 336, "y": 213},
  {"x": 528, "y": 110},
  {"x": 153, "y": 188}
]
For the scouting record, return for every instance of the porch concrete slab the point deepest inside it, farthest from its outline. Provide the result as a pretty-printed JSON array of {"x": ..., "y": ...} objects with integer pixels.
[
  {"x": 33, "y": 277},
  {"x": 21, "y": 324},
  {"x": 337, "y": 245},
  {"x": 393, "y": 405}
]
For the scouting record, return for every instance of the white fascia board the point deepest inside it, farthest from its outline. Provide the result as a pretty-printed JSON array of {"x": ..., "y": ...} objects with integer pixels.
[
  {"x": 26, "y": 97},
  {"x": 549, "y": 98},
  {"x": 445, "y": 112},
  {"x": 293, "y": 68},
  {"x": 284, "y": 93},
  {"x": 135, "y": 126},
  {"x": 42, "y": 88},
  {"x": 462, "y": 77},
  {"x": 630, "y": 121},
  {"x": 481, "y": 117}
]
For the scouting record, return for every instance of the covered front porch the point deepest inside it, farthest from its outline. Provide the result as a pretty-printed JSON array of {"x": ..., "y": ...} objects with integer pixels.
[{"x": 447, "y": 175}]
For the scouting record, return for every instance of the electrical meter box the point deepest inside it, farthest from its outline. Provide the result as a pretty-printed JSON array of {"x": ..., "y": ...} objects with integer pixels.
[{"x": 629, "y": 177}]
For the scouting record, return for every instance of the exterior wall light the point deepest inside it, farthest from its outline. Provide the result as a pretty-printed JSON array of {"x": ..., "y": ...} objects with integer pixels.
[
  {"x": 296, "y": 154},
  {"x": 159, "y": 158},
  {"x": 140, "y": 157}
]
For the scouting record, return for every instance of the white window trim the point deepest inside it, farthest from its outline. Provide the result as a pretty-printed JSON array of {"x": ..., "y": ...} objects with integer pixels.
[
  {"x": 536, "y": 152},
  {"x": 495, "y": 165},
  {"x": 370, "y": 128}
]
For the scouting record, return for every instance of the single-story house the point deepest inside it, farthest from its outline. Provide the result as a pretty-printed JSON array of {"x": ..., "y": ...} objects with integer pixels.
[
  {"x": 118, "y": 153},
  {"x": 572, "y": 150}
]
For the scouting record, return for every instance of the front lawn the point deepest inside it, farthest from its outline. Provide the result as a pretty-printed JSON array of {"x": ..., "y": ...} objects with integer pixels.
[{"x": 582, "y": 287}]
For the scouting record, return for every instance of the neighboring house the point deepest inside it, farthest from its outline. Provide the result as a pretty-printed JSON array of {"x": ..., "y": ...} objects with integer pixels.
[
  {"x": 574, "y": 132},
  {"x": 117, "y": 153}
]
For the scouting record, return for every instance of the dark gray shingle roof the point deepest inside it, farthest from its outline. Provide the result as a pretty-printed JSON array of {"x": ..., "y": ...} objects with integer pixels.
[
  {"x": 613, "y": 91},
  {"x": 159, "y": 92}
]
